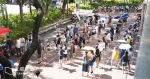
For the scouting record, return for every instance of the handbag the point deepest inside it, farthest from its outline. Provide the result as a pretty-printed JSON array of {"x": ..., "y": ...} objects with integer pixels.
[{"x": 123, "y": 63}]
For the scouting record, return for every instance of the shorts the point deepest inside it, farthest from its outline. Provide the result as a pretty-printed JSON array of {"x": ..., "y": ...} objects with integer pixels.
[
  {"x": 60, "y": 60},
  {"x": 21, "y": 47},
  {"x": 103, "y": 48},
  {"x": 58, "y": 29},
  {"x": 97, "y": 59},
  {"x": 128, "y": 62},
  {"x": 114, "y": 61},
  {"x": 71, "y": 54},
  {"x": 93, "y": 33},
  {"x": 84, "y": 42},
  {"x": 91, "y": 63},
  {"x": 65, "y": 55},
  {"x": 38, "y": 55},
  {"x": 124, "y": 63},
  {"x": 74, "y": 51},
  {"x": 108, "y": 41}
]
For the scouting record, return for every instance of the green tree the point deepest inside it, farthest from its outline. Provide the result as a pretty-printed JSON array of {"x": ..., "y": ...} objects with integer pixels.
[
  {"x": 20, "y": 2},
  {"x": 34, "y": 45}
]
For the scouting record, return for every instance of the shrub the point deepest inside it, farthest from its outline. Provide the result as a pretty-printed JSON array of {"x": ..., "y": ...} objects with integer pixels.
[{"x": 18, "y": 28}]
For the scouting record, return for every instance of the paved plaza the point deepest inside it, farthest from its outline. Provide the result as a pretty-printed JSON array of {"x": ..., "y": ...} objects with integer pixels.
[{"x": 49, "y": 66}]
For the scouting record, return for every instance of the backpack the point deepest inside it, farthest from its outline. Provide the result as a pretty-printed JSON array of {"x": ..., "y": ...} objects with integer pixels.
[
  {"x": 84, "y": 62},
  {"x": 73, "y": 47},
  {"x": 81, "y": 37},
  {"x": 94, "y": 58}
]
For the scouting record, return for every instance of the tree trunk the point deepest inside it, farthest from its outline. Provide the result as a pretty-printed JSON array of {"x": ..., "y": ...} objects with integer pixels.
[
  {"x": 34, "y": 45},
  {"x": 90, "y": 2},
  {"x": 20, "y": 6},
  {"x": 63, "y": 8},
  {"x": 2, "y": 11},
  {"x": 7, "y": 22},
  {"x": 30, "y": 7},
  {"x": 46, "y": 9},
  {"x": 67, "y": 6}
]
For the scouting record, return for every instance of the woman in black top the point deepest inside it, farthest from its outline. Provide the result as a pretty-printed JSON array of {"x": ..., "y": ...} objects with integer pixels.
[
  {"x": 125, "y": 61},
  {"x": 97, "y": 54},
  {"x": 76, "y": 39},
  {"x": 117, "y": 31}
]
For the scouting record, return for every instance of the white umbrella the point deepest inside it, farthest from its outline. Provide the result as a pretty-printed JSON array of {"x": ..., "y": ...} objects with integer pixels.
[{"x": 125, "y": 46}]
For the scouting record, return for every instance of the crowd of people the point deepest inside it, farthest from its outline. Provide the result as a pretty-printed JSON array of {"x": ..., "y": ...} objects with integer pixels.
[
  {"x": 70, "y": 40},
  {"x": 117, "y": 8}
]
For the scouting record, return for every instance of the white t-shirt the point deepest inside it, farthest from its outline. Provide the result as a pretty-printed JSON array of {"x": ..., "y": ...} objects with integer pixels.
[
  {"x": 22, "y": 41},
  {"x": 37, "y": 78},
  {"x": 18, "y": 44},
  {"x": 96, "y": 28},
  {"x": 100, "y": 46},
  {"x": 108, "y": 36},
  {"x": 91, "y": 56},
  {"x": 65, "y": 50}
]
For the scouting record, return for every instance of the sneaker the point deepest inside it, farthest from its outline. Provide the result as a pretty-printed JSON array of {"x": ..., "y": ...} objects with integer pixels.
[
  {"x": 39, "y": 63},
  {"x": 110, "y": 68}
]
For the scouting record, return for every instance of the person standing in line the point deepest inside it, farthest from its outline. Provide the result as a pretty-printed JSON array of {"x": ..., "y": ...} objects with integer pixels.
[
  {"x": 97, "y": 54},
  {"x": 39, "y": 53},
  {"x": 42, "y": 49},
  {"x": 48, "y": 48},
  {"x": 103, "y": 26},
  {"x": 75, "y": 30},
  {"x": 67, "y": 35},
  {"x": 85, "y": 67},
  {"x": 105, "y": 39},
  {"x": 37, "y": 75},
  {"x": 22, "y": 42},
  {"x": 117, "y": 32},
  {"x": 125, "y": 61},
  {"x": 93, "y": 32},
  {"x": 61, "y": 52},
  {"x": 71, "y": 51},
  {"x": 9, "y": 44},
  {"x": 84, "y": 38},
  {"x": 96, "y": 30},
  {"x": 115, "y": 54},
  {"x": 28, "y": 43},
  {"x": 17, "y": 45},
  {"x": 103, "y": 45},
  {"x": 91, "y": 62},
  {"x": 100, "y": 46},
  {"x": 5, "y": 49},
  {"x": 71, "y": 32},
  {"x": 100, "y": 27},
  {"x": 129, "y": 58},
  {"x": 112, "y": 32},
  {"x": 58, "y": 27},
  {"x": 80, "y": 40},
  {"x": 65, "y": 54},
  {"x": 108, "y": 38}
]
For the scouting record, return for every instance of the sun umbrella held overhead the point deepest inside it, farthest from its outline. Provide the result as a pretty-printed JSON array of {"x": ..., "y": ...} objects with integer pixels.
[
  {"x": 88, "y": 48},
  {"x": 125, "y": 46}
]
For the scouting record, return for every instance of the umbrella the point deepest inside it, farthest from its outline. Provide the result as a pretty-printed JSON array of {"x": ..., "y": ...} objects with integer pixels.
[
  {"x": 125, "y": 46},
  {"x": 88, "y": 48},
  {"x": 103, "y": 16},
  {"x": 85, "y": 16},
  {"x": 107, "y": 30},
  {"x": 118, "y": 23}
]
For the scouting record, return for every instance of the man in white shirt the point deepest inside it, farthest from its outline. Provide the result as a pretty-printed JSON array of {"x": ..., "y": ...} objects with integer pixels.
[
  {"x": 100, "y": 46},
  {"x": 108, "y": 38},
  {"x": 37, "y": 75},
  {"x": 17, "y": 45},
  {"x": 22, "y": 42}
]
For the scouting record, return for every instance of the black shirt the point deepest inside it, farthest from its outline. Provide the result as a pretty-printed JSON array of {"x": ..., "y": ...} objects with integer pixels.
[
  {"x": 97, "y": 52},
  {"x": 9, "y": 43},
  {"x": 117, "y": 29},
  {"x": 96, "y": 17},
  {"x": 125, "y": 58},
  {"x": 76, "y": 40}
]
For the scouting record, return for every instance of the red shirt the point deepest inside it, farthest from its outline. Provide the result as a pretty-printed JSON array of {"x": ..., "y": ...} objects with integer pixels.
[{"x": 1, "y": 53}]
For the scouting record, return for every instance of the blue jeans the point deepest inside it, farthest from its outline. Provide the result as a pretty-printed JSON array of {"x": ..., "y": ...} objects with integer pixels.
[
  {"x": 67, "y": 39},
  {"x": 18, "y": 51}
]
